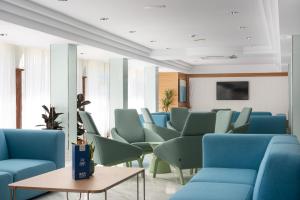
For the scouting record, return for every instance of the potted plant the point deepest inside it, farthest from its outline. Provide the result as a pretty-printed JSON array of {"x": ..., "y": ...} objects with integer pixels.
[
  {"x": 92, "y": 163},
  {"x": 50, "y": 118},
  {"x": 167, "y": 99},
  {"x": 81, "y": 103}
]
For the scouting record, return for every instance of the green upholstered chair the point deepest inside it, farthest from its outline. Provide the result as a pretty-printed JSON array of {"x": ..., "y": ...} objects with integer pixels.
[
  {"x": 223, "y": 121},
  {"x": 177, "y": 118},
  {"x": 185, "y": 152},
  {"x": 242, "y": 123},
  {"x": 164, "y": 133},
  {"x": 109, "y": 152},
  {"x": 128, "y": 129}
]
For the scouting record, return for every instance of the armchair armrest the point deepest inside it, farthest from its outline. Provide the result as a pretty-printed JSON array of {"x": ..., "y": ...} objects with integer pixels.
[
  {"x": 240, "y": 129},
  {"x": 165, "y": 133},
  {"x": 182, "y": 152},
  {"x": 36, "y": 144},
  {"x": 115, "y": 135},
  {"x": 234, "y": 150},
  {"x": 150, "y": 136},
  {"x": 170, "y": 126}
]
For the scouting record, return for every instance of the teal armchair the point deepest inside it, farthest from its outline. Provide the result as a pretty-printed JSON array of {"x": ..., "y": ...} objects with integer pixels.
[
  {"x": 109, "y": 152},
  {"x": 185, "y": 152},
  {"x": 177, "y": 118},
  {"x": 242, "y": 123},
  {"x": 128, "y": 129},
  {"x": 223, "y": 121},
  {"x": 164, "y": 133}
]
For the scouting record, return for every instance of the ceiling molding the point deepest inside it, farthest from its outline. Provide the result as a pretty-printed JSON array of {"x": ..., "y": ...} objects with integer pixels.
[
  {"x": 268, "y": 74},
  {"x": 34, "y": 16}
]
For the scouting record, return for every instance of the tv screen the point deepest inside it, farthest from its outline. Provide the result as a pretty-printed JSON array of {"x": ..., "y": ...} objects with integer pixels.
[{"x": 238, "y": 90}]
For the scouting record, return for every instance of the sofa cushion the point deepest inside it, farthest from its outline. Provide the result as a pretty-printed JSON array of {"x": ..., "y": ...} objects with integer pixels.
[
  {"x": 226, "y": 175},
  {"x": 25, "y": 168},
  {"x": 278, "y": 177},
  {"x": 214, "y": 191},
  {"x": 5, "y": 179},
  {"x": 3, "y": 146},
  {"x": 284, "y": 139}
]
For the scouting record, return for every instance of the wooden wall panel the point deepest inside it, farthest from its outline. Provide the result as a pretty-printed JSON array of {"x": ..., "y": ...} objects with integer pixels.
[{"x": 168, "y": 80}]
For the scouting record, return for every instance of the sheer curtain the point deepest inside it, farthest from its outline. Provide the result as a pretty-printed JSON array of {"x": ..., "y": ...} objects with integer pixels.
[
  {"x": 136, "y": 87},
  {"x": 36, "y": 85},
  {"x": 97, "y": 91},
  {"x": 7, "y": 86}
]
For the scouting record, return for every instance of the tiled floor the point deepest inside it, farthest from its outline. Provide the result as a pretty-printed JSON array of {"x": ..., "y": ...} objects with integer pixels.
[{"x": 159, "y": 188}]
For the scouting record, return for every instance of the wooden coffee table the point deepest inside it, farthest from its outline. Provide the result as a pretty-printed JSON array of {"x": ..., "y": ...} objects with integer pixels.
[{"x": 61, "y": 180}]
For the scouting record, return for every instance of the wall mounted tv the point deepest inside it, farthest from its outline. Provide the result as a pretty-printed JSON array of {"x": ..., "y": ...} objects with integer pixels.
[{"x": 237, "y": 90}]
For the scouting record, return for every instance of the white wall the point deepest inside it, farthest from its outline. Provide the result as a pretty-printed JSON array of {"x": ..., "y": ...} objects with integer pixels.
[{"x": 265, "y": 94}]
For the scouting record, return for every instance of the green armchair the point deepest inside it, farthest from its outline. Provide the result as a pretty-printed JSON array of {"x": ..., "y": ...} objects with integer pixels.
[
  {"x": 177, "y": 118},
  {"x": 223, "y": 121},
  {"x": 109, "y": 152},
  {"x": 164, "y": 133},
  {"x": 185, "y": 152},
  {"x": 242, "y": 123},
  {"x": 128, "y": 129}
]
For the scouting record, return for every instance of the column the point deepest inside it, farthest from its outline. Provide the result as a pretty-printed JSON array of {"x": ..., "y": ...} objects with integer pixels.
[{"x": 151, "y": 88}]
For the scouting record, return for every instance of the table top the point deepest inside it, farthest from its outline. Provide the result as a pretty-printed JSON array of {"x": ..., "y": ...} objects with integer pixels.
[{"x": 61, "y": 180}]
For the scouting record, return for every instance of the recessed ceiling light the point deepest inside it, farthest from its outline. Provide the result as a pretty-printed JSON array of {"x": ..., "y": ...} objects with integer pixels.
[
  {"x": 153, "y": 41},
  {"x": 104, "y": 19},
  {"x": 248, "y": 37},
  {"x": 132, "y": 31},
  {"x": 81, "y": 53},
  {"x": 194, "y": 35},
  {"x": 243, "y": 27},
  {"x": 3, "y": 34},
  {"x": 62, "y": 0},
  {"x": 199, "y": 39},
  {"x": 285, "y": 37},
  {"x": 155, "y": 6},
  {"x": 234, "y": 12},
  {"x": 168, "y": 48}
]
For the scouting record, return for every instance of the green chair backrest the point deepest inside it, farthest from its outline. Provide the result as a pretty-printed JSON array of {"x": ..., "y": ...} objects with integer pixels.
[
  {"x": 128, "y": 125},
  {"x": 88, "y": 123},
  {"x": 223, "y": 121},
  {"x": 199, "y": 124},
  {"x": 178, "y": 117},
  {"x": 147, "y": 116},
  {"x": 243, "y": 118}
]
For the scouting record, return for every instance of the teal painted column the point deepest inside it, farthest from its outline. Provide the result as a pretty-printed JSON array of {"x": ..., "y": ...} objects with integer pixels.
[{"x": 63, "y": 87}]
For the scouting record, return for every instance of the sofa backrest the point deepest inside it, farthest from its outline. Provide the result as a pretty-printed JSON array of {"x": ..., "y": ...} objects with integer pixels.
[
  {"x": 178, "y": 117},
  {"x": 278, "y": 176},
  {"x": 267, "y": 124},
  {"x": 3, "y": 147}
]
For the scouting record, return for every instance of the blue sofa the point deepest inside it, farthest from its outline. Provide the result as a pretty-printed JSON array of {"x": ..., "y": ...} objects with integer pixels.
[
  {"x": 160, "y": 118},
  {"x": 246, "y": 167},
  {"x": 27, "y": 153}
]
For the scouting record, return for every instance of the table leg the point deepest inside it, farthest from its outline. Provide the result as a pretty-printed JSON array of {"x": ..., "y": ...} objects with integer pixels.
[
  {"x": 137, "y": 186},
  {"x": 144, "y": 184},
  {"x": 14, "y": 193},
  {"x": 11, "y": 193},
  {"x": 88, "y": 196},
  {"x": 105, "y": 195}
]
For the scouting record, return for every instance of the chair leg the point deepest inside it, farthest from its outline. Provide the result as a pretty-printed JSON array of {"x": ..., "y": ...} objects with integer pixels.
[
  {"x": 155, "y": 165},
  {"x": 196, "y": 170},
  {"x": 179, "y": 172},
  {"x": 127, "y": 164},
  {"x": 140, "y": 161},
  {"x": 191, "y": 171},
  {"x": 130, "y": 164}
]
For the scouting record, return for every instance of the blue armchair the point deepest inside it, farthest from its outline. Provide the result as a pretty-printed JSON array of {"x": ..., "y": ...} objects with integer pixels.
[{"x": 27, "y": 153}]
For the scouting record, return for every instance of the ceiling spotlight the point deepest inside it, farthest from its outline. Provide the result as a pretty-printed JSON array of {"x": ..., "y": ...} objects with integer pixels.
[
  {"x": 194, "y": 35},
  {"x": 81, "y": 53},
  {"x": 132, "y": 31},
  {"x": 243, "y": 27},
  {"x": 104, "y": 19},
  {"x": 248, "y": 37},
  {"x": 168, "y": 48},
  {"x": 152, "y": 41},
  {"x": 155, "y": 6},
  {"x": 3, "y": 34},
  {"x": 199, "y": 39},
  {"x": 234, "y": 12}
]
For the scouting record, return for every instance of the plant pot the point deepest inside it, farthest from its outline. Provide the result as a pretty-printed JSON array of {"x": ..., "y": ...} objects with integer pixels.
[{"x": 92, "y": 167}]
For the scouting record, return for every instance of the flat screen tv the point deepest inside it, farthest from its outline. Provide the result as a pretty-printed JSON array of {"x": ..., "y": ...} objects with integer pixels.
[{"x": 237, "y": 90}]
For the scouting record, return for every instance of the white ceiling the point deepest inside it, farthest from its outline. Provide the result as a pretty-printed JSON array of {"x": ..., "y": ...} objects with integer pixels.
[
  {"x": 22, "y": 36},
  {"x": 172, "y": 27}
]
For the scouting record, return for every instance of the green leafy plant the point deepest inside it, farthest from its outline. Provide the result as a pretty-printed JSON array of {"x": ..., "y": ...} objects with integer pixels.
[
  {"x": 167, "y": 99},
  {"x": 50, "y": 117},
  {"x": 81, "y": 103}
]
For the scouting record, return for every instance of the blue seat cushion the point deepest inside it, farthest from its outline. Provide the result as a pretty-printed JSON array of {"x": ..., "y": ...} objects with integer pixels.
[
  {"x": 226, "y": 175},
  {"x": 3, "y": 146},
  {"x": 25, "y": 168},
  {"x": 5, "y": 179},
  {"x": 214, "y": 191}
]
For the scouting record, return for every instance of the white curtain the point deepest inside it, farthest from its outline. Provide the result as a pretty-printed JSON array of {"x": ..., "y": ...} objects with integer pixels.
[
  {"x": 7, "y": 86},
  {"x": 97, "y": 91},
  {"x": 136, "y": 85},
  {"x": 81, "y": 71},
  {"x": 36, "y": 85}
]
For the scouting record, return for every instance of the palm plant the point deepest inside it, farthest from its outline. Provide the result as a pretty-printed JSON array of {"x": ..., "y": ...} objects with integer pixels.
[
  {"x": 81, "y": 103},
  {"x": 50, "y": 117},
  {"x": 167, "y": 99}
]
